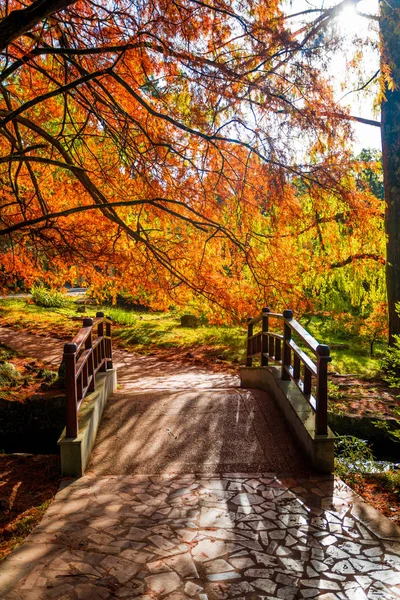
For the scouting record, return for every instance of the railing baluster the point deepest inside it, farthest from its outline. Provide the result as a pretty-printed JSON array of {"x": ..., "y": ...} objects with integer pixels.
[
  {"x": 271, "y": 346},
  {"x": 84, "y": 377},
  {"x": 249, "y": 360},
  {"x": 296, "y": 366},
  {"x": 278, "y": 349},
  {"x": 102, "y": 345},
  {"x": 108, "y": 333},
  {"x": 79, "y": 387},
  {"x": 307, "y": 381},
  {"x": 90, "y": 361},
  {"x": 71, "y": 391},
  {"x": 321, "y": 414},
  {"x": 287, "y": 335},
  {"x": 264, "y": 338}
]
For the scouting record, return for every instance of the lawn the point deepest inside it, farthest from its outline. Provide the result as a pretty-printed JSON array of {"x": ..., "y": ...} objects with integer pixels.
[
  {"x": 142, "y": 332},
  {"x": 349, "y": 353},
  {"x": 161, "y": 333}
]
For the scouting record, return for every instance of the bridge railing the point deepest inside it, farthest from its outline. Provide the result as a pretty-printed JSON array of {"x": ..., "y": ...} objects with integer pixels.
[
  {"x": 309, "y": 374},
  {"x": 89, "y": 352}
]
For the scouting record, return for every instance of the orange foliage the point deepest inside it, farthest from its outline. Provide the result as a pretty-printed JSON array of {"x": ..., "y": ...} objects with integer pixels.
[{"x": 154, "y": 148}]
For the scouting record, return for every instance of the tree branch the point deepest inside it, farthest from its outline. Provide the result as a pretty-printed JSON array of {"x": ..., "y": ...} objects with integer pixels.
[
  {"x": 364, "y": 256},
  {"x": 19, "y": 22}
]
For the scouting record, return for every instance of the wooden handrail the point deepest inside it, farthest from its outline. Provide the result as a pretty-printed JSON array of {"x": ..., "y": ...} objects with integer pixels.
[
  {"x": 84, "y": 357},
  {"x": 295, "y": 364}
]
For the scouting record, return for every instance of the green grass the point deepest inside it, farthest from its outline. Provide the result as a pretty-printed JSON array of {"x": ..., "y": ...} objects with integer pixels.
[
  {"x": 41, "y": 296},
  {"x": 356, "y": 358},
  {"x": 138, "y": 331},
  {"x": 17, "y": 306},
  {"x": 144, "y": 332},
  {"x": 22, "y": 314}
]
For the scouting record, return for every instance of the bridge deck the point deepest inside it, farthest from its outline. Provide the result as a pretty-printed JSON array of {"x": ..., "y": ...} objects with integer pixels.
[{"x": 168, "y": 419}]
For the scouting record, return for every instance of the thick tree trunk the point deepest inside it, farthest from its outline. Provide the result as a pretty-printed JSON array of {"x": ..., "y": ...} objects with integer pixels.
[{"x": 390, "y": 37}]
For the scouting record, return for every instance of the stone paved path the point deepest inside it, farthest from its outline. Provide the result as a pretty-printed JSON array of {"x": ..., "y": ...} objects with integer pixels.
[
  {"x": 245, "y": 536},
  {"x": 164, "y": 511}
]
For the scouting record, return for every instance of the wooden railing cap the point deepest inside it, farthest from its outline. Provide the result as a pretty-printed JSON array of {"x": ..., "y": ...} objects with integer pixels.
[
  {"x": 323, "y": 350},
  {"x": 70, "y": 348}
]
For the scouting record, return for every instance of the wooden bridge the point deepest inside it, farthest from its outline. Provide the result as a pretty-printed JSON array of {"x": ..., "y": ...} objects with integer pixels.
[{"x": 272, "y": 338}]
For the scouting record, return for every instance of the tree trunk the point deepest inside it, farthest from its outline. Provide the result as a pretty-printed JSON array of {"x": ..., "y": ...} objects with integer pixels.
[{"x": 390, "y": 39}]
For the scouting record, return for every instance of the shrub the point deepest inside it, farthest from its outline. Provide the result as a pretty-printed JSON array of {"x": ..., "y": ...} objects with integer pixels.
[
  {"x": 9, "y": 375},
  {"x": 42, "y": 296},
  {"x": 390, "y": 365},
  {"x": 353, "y": 457}
]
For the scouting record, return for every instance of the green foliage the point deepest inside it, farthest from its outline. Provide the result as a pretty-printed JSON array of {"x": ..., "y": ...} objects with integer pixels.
[
  {"x": 50, "y": 379},
  {"x": 391, "y": 432},
  {"x": 6, "y": 353},
  {"x": 42, "y": 296},
  {"x": 390, "y": 364},
  {"x": 9, "y": 376},
  {"x": 355, "y": 357},
  {"x": 24, "y": 526},
  {"x": 353, "y": 457},
  {"x": 371, "y": 177},
  {"x": 390, "y": 480}
]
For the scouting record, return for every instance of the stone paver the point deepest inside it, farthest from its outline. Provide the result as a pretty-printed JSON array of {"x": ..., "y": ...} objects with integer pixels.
[{"x": 253, "y": 536}]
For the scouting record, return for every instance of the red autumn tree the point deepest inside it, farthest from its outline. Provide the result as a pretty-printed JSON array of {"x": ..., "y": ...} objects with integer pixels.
[{"x": 159, "y": 144}]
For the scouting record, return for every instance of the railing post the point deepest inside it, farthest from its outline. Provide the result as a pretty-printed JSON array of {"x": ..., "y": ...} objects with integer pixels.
[
  {"x": 249, "y": 360},
  {"x": 287, "y": 335},
  {"x": 70, "y": 387},
  {"x": 102, "y": 345},
  {"x": 321, "y": 414},
  {"x": 89, "y": 346},
  {"x": 108, "y": 334},
  {"x": 265, "y": 338},
  {"x": 100, "y": 326}
]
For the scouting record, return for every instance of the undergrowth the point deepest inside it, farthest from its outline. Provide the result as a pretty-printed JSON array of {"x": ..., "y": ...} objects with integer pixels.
[
  {"x": 144, "y": 332},
  {"x": 9, "y": 375},
  {"x": 353, "y": 457},
  {"x": 48, "y": 298}
]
